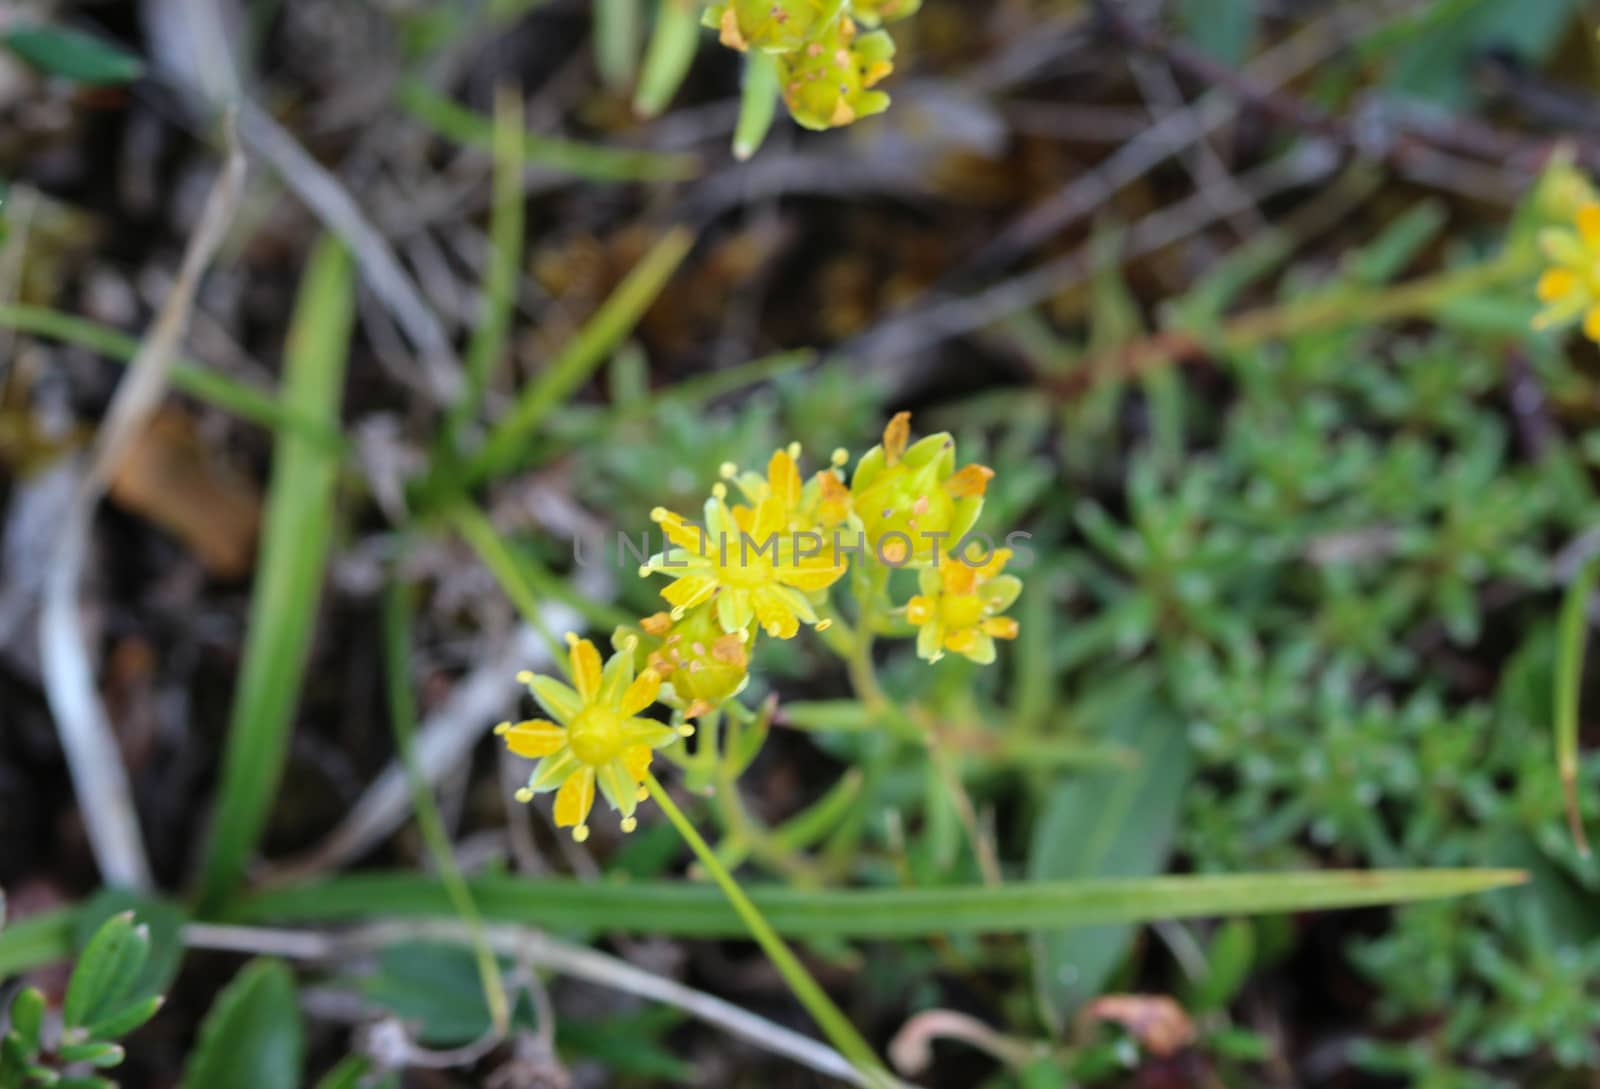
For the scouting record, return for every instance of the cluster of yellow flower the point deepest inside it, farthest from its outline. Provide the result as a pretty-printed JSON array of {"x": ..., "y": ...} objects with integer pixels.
[
  {"x": 766, "y": 565},
  {"x": 826, "y": 66}
]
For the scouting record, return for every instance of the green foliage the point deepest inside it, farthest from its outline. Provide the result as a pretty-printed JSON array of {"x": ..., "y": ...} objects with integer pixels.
[
  {"x": 107, "y": 998},
  {"x": 251, "y": 1037},
  {"x": 72, "y": 55}
]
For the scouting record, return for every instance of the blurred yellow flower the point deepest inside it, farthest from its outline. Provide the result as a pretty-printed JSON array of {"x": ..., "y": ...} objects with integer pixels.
[
  {"x": 828, "y": 82},
  {"x": 911, "y": 500},
  {"x": 772, "y": 26},
  {"x": 959, "y": 606},
  {"x": 593, "y": 737},
  {"x": 1570, "y": 287}
]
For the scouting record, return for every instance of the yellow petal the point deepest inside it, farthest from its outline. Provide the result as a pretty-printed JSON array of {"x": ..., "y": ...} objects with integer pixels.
[
  {"x": 575, "y": 799},
  {"x": 636, "y": 758},
  {"x": 1589, "y": 223},
  {"x": 958, "y": 577},
  {"x": 690, "y": 590},
  {"x": 683, "y": 534},
  {"x": 774, "y": 612},
  {"x": 1001, "y": 627},
  {"x": 919, "y": 610},
  {"x": 896, "y": 436},
  {"x": 810, "y": 577},
  {"x": 641, "y": 693},
  {"x": 784, "y": 476},
  {"x": 1591, "y": 323},
  {"x": 1556, "y": 283},
  {"x": 534, "y": 738},
  {"x": 585, "y": 670},
  {"x": 960, "y": 641}
]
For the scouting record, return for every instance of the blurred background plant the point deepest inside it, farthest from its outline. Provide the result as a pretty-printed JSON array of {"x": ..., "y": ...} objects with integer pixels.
[{"x": 1236, "y": 297}]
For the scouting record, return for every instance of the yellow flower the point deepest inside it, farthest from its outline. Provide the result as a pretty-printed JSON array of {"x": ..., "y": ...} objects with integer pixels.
[
  {"x": 748, "y": 561},
  {"x": 702, "y": 665},
  {"x": 827, "y": 82},
  {"x": 912, "y": 502},
  {"x": 1570, "y": 287},
  {"x": 595, "y": 738},
  {"x": 823, "y": 502},
  {"x": 959, "y": 606},
  {"x": 772, "y": 26}
]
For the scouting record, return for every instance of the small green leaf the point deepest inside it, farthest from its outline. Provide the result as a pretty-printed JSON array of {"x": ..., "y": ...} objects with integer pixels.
[
  {"x": 106, "y": 966},
  {"x": 117, "y": 1024},
  {"x": 347, "y": 1075},
  {"x": 251, "y": 1038},
  {"x": 434, "y": 986},
  {"x": 73, "y": 55},
  {"x": 1229, "y": 959},
  {"x": 94, "y": 1052},
  {"x": 27, "y": 1017},
  {"x": 162, "y": 918}
]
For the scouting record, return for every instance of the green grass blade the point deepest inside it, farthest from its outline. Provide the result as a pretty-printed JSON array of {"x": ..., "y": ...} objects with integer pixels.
[
  {"x": 591, "y": 346},
  {"x": 506, "y": 226},
  {"x": 758, "y": 104},
  {"x": 398, "y": 610},
  {"x": 591, "y": 162},
  {"x": 294, "y": 550},
  {"x": 618, "y": 31},
  {"x": 673, "y": 44},
  {"x": 690, "y": 910},
  {"x": 196, "y": 379},
  {"x": 699, "y": 911},
  {"x": 1569, "y": 683}
]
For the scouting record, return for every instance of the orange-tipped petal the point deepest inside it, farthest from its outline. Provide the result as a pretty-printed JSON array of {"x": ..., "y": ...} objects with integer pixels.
[
  {"x": 535, "y": 738},
  {"x": 958, "y": 577},
  {"x": 896, "y": 437},
  {"x": 972, "y": 480},
  {"x": 641, "y": 693},
  {"x": 657, "y": 624}
]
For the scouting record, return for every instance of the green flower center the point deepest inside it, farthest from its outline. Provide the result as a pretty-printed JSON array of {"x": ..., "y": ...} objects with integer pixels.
[{"x": 596, "y": 735}]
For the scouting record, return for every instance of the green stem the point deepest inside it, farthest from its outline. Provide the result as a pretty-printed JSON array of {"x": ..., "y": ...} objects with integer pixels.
[
  {"x": 833, "y": 1023},
  {"x": 398, "y": 608},
  {"x": 1569, "y": 677}
]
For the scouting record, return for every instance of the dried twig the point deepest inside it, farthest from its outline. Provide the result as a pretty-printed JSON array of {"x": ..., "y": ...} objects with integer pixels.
[{"x": 101, "y": 782}]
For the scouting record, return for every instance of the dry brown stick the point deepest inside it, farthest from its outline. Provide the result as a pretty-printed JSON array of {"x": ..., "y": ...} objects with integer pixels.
[{"x": 98, "y": 777}]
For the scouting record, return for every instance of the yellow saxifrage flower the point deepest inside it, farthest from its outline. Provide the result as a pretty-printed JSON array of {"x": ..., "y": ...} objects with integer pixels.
[
  {"x": 771, "y": 26},
  {"x": 703, "y": 665},
  {"x": 912, "y": 502},
  {"x": 1570, "y": 287},
  {"x": 828, "y": 82},
  {"x": 747, "y": 561},
  {"x": 811, "y": 506},
  {"x": 595, "y": 739},
  {"x": 959, "y": 606}
]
